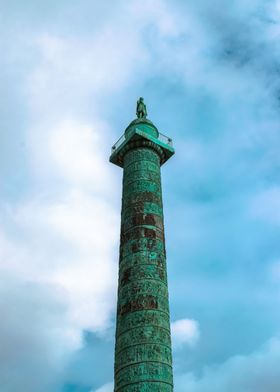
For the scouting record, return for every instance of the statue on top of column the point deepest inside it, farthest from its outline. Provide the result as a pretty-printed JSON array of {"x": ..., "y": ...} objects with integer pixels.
[{"x": 141, "y": 110}]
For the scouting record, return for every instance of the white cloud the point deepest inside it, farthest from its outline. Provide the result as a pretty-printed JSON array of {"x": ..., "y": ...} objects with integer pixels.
[
  {"x": 105, "y": 388},
  {"x": 85, "y": 232},
  {"x": 257, "y": 372},
  {"x": 168, "y": 20},
  {"x": 73, "y": 72},
  {"x": 185, "y": 332},
  {"x": 36, "y": 334},
  {"x": 75, "y": 152}
]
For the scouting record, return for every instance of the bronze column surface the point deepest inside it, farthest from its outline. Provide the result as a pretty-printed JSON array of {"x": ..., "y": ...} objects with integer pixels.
[{"x": 143, "y": 354}]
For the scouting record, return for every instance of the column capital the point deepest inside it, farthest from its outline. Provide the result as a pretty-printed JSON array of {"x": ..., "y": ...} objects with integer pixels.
[{"x": 142, "y": 132}]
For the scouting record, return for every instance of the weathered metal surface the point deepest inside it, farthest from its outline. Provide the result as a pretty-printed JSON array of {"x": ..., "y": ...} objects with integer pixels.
[
  {"x": 143, "y": 357},
  {"x": 148, "y": 387},
  {"x": 149, "y": 372},
  {"x": 142, "y": 132}
]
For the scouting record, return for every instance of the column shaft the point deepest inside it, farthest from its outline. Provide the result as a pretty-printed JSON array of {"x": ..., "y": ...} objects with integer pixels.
[{"x": 143, "y": 358}]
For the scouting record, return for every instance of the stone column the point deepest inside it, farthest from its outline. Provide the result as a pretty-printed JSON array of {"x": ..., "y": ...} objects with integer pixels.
[{"x": 143, "y": 358}]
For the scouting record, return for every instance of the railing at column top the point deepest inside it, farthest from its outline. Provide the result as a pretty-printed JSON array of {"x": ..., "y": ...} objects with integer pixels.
[{"x": 162, "y": 138}]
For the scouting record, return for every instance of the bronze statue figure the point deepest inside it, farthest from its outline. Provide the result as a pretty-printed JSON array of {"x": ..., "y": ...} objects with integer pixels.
[{"x": 141, "y": 110}]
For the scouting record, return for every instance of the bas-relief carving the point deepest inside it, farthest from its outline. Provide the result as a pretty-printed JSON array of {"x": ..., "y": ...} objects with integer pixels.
[
  {"x": 140, "y": 219},
  {"x": 144, "y": 371},
  {"x": 143, "y": 327},
  {"x": 143, "y": 353},
  {"x": 142, "y": 166},
  {"x": 142, "y": 208},
  {"x": 143, "y": 186},
  {"x": 141, "y": 154},
  {"x": 142, "y": 318},
  {"x": 142, "y": 244},
  {"x": 143, "y": 257},
  {"x": 138, "y": 232},
  {"x": 140, "y": 303},
  {"x": 134, "y": 260},
  {"x": 146, "y": 387},
  {"x": 145, "y": 287},
  {"x": 144, "y": 175},
  {"x": 142, "y": 272},
  {"x": 130, "y": 200},
  {"x": 154, "y": 249},
  {"x": 143, "y": 301},
  {"x": 149, "y": 334}
]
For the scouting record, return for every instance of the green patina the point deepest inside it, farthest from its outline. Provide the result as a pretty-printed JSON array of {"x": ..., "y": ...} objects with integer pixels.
[{"x": 143, "y": 355}]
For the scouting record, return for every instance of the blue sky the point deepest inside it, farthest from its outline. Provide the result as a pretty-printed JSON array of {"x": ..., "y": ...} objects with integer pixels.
[{"x": 70, "y": 77}]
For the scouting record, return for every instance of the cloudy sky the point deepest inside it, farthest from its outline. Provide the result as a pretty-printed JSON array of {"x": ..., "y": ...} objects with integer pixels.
[{"x": 70, "y": 74}]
